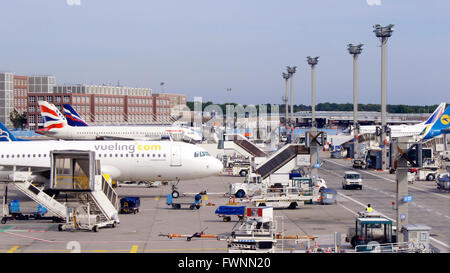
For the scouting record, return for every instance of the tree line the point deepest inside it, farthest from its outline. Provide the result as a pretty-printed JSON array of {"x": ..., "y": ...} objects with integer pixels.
[{"x": 391, "y": 108}]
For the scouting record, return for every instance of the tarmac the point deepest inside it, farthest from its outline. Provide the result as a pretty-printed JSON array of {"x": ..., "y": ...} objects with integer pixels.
[{"x": 148, "y": 230}]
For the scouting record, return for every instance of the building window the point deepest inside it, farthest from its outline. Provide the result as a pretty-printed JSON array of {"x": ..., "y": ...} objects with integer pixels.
[
  {"x": 32, "y": 99},
  {"x": 58, "y": 99}
]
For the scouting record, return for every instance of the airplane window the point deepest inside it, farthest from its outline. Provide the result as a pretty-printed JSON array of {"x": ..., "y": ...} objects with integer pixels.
[
  {"x": 132, "y": 155},
  {"x": 126, "y": 155},
  {"x": 45, "y": 155},
  {"x": 39, "y": 155},
  {"x": 23, "y": 155},
  {"x": 28, "y": 155},
  {"x": 154, "y": 155},
  {"x": 121, "y": 155},
  {"x": 2, "y": 156},
  {"x": 99, "y": 155},
  {"x": 12, "y": 156},
  {"x": 116, "y": 155},
  {"x": 18, "y": 156},
  {"x": 159, "y": 155},
  {"x": 7, "y": 156},
  {"x": 110, "y": 155},
  {"x": 164, "y": 155},
  {"x": 34, "y": 155}
]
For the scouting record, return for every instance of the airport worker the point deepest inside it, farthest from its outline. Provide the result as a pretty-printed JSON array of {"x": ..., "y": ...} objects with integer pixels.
[{"x": 369, "y": 208}]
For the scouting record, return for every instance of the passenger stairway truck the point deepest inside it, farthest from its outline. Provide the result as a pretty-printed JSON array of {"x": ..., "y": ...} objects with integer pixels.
[
  {"x": 242, "y": 145},
  {"x": 273, "y": 170},
  {"x": 22, "y": 180},
  {"x": 93, "y": 202}
]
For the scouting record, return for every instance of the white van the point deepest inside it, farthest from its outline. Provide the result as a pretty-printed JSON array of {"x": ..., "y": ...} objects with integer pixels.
[{"x": 352, "y": 180}]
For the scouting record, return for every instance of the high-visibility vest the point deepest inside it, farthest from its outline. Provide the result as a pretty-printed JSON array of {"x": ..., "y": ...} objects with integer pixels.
[{"x": 369, "y": 209}]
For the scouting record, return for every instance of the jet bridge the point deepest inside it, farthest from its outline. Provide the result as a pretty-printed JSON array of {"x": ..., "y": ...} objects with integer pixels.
[{"x": 78, "y": 175}]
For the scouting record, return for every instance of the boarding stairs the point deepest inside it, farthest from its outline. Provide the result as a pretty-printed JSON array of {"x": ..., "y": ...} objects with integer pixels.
[
  {"x": 242, "y": 143},
  {"x": 79, "y": 175},
  {"x": 286, "y": 154},
  {"x": 22, "y": 182}
]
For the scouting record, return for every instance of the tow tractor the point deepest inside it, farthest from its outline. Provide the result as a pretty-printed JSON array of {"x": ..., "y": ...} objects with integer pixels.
[
  {"x": 371, "y": 229},
  {"x": 252, "y": 185}
]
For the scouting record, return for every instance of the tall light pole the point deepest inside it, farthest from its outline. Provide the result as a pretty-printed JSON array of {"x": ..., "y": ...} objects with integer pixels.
[
  {"x": 291, "y": 71},
  {"x": 313, "y": 62},
  {"x": 313, "y": 147},
  {"x": 286, "y": 77},
  {"x": 383, "y": 33},
  {"x": 355, "y": 51}
]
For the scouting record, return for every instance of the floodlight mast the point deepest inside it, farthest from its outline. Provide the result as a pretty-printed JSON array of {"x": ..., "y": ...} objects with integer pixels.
[
  {"x": 285, "y": 99},
  {"x": 383, "y": 33},
  {"x": 355, "y": 50},
  {"x": 313, "y": 62},
  {"x": 291, "y": 71}
]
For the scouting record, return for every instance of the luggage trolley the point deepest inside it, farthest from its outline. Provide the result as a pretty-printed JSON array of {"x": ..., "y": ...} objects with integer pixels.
[
  {"x": 227, "y": 211},
  {"x": 130, "y": 205}
]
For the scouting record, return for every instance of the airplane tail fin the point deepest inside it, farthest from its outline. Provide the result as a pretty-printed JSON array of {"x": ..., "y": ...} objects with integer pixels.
[
  {"x": 436, "y": 114},
  {"x": 435, "y": 129},
  {"x": 5, "y": 134},
  {"x": 73, "y": 118},
  {"x": 53, "y": 119}
]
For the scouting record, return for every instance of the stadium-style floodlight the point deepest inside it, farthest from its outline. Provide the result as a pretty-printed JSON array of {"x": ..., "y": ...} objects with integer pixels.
[
  {"x": 383, "y": 33},
  {"x": 286, "y": 98},
  {"x": 291, "y": 71},
  {"x": 313, "y": 62},
  {"x": 355, "y": 50}
]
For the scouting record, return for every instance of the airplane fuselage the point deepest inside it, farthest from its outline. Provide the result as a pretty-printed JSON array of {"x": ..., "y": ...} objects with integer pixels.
[{"x": 123, "y": 160}]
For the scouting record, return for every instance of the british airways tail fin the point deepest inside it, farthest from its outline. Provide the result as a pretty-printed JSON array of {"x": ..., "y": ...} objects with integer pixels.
[
  {"x": 438, "y": 128},
  {"x": 53, "y": 119},
  {"x": 6, "y": 135},
  {"x": 436, "y": 114},
  {"x": 73, "y": 118}
]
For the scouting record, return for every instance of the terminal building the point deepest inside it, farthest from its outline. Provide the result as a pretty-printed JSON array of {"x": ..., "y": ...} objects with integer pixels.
[{"x": 97, "y": 104}]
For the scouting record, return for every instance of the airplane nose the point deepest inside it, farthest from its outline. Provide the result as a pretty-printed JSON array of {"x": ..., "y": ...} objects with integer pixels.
[{"x": 216, "y": 166}]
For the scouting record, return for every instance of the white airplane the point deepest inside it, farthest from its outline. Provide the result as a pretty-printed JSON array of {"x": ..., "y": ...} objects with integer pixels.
[
  {"x": 409, "y": 130},
  {"x": 73, "y": 127},
  {"x": 122, "y": 160}
]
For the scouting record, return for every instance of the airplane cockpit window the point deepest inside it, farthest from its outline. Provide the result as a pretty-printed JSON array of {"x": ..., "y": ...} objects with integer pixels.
[{"x": 201, "y": 154}]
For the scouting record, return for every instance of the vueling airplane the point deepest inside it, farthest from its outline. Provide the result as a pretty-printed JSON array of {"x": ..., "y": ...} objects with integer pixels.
[
  {"x": 438, "y": 128},
  {"x": 409, "y": 130},
  {"x": 122, "y": 160},
  {"x": 71, "y": 126}
]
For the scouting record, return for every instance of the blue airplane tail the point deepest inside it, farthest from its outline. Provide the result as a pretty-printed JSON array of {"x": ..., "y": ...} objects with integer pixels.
[
  {"x": 73, "y": 118},
  {"x": 6, "y": 135},
  {"x": 441, "y": 124}
]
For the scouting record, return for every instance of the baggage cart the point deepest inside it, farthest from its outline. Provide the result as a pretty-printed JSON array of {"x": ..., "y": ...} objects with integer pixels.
[
  {"x": 130, "y": 205},
  {"x": 227, "y": 211},
  {"x": 177, "y": 203}
]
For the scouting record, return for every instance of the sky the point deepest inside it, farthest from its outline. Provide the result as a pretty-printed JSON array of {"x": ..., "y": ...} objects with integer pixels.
[{"x": 202, "y": 48}]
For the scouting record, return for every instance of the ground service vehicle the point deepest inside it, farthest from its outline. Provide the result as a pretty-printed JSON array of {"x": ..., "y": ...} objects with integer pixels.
[
  {"x": 352, "y": 180},
  {"x": 370, "y": 229}
]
